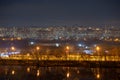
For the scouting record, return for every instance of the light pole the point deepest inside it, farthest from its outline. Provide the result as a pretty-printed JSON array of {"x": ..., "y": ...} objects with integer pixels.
[
  {"x": 37, "y": 49},
  {"x": 98, "y": 49},
  {"x": 13, "y": 49},
  {"x": 67, "y": 50}
]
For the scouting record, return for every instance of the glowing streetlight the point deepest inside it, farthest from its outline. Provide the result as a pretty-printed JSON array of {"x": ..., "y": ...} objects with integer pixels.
[
  {"x": 98, "y": 76},
  {"x": 68, "y": 74},
  {"x": 28, "y": 69},
  {"x": 67, "y": 50},
  {"x": 37, "y": 48},
  {"x": 98, "y": 49},
  {"x": 67, "y": 47},
  {"x": 13, "y": 72},
  {"x": 38, "y": 73},
  {"x": 13, "y": 48}
]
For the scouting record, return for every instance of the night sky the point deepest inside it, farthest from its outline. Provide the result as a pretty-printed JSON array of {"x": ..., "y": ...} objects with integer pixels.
[{"x": 59, "y": 12}]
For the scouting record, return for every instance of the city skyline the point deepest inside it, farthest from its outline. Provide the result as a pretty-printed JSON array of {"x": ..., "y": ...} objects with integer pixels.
[{"x": 59, "y": 12}]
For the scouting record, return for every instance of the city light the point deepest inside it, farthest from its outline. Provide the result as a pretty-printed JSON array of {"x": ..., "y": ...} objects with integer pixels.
[
  {"x": 98, "y": 76},
  {"x": 32, "y": 43},
  {"x": 57, "y": 45},
  {"x": 37, "y": 48},
  {"x": 13, "y": 72},
  {"x": 28, "y": 69},
  {"x": 38, "y": 72},
  {"x": 67, "y": 47},
  {"x": 68, "y": 74},
  {"x": 97, "y": 48},
  {"x": 13, "y": 48}
]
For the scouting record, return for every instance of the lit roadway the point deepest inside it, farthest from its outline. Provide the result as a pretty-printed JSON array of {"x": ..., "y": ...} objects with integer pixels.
[
  {"x": 63, "y": 58},
  {"x": 68, "y": 60}
]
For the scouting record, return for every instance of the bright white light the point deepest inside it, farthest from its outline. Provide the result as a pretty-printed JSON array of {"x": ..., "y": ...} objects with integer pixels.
[
  {"x": 31, "y": 43},
  {"x": 86, "y": 47},
  {"x": 4, "y": 55},
  {"x": 79, "y": 45},
  {"x": 88, "y": 51},
  {"x": 57, "y": 45}
]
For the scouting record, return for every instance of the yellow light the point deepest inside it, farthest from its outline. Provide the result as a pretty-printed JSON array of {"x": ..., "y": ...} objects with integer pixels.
[
  {"x": 37, "y": 48},
  {"x": 116, "y": 39},
  {"x": 97, "y": 48},
  {"x": 18, "y": 38},
  {"x": 28, "y": 69},
  {"x": 67, "y": 47},
  {"x": 28, "y": 54},
  {"x": 98, "y": 76},
  {"x": 13, "y": 48},
  {"x": 13, "y": 72},
  {"x": 68, "y": 75},
  {"x": 38, "y": 73}
]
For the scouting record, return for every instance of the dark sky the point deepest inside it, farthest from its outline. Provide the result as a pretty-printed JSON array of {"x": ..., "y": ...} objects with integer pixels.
[{"x": 59, "y": 12}]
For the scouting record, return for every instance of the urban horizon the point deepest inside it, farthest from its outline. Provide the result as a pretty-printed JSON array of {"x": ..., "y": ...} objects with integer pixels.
[{"x": 62, "y": 32}]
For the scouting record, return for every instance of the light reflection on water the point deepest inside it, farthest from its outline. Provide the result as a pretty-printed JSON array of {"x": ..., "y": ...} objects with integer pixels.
[{"x": 57, "y": 73}]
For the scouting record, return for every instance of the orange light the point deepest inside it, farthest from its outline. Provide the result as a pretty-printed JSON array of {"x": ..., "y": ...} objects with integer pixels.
[
  {"x": 97, "y": 48},
  {"x": 13, "y": 48},
  {"x": 68, "y": 75},
  {"x": 37, "y": 48},
  {"x": 98, "y": 76},
  {"x": 67, "y": 47}
]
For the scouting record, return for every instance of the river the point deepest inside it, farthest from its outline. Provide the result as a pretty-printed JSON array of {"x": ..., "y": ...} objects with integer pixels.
[{"x": 57, "y": 73}]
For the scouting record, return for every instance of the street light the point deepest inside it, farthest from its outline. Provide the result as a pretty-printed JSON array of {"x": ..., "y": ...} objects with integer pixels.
[
  {"x": 98, "y": 49},
  {"x": 67, "y": 47},
  {"x": 37, "y": 48},
  {"x": 67, "y": 50},
  {"x": 13, "y": 49},
  {"x": 38, "y": 73},
  {"x": 98, "y": 76}
]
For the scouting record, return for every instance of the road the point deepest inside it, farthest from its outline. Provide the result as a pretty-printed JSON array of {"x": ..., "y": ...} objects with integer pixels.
[{"x": 64, "y": 58}]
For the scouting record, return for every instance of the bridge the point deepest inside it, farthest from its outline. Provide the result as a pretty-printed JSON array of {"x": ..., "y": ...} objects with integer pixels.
[{"x": 68, "y": 60}]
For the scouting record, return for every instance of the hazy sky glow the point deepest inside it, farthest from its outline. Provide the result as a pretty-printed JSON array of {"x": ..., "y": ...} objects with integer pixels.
[{"x": 59, "y": 12}]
